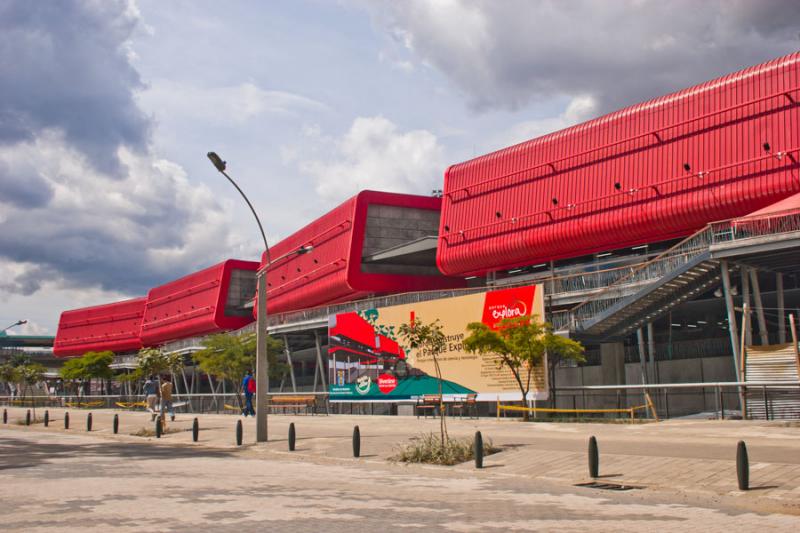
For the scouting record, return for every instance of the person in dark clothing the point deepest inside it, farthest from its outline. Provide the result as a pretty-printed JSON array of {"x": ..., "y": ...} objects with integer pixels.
[{"x": 249, "y": 388}]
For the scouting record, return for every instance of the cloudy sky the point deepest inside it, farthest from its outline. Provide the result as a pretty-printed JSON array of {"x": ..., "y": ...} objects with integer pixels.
[{"x": 107, "y": 109}]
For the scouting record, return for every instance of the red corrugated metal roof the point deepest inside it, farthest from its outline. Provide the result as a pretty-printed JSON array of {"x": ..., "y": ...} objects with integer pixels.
[
  {"x": 332, "y": 271},
  {"x": 112, "y": 327},
  {"x": 192, "y": 305},
  {"x": 657, "y": 170}
]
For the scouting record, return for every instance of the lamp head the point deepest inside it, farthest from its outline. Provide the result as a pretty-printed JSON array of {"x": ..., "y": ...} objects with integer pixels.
[{"x": 217, "y": 161}]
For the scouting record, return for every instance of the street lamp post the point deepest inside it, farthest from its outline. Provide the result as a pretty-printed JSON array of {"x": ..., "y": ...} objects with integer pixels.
[
  {"x": 262, "y": 361},
  {"x": 17, "y": 323}
]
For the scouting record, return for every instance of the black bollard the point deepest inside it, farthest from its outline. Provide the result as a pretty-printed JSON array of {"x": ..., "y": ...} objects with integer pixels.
[
  {"x": 89, "y": 422},
  {"x": 478, "y": 450},
  {"x": 116, "y": 424},
  {"x": 356, "y": 442},
  {"x": 195, "y": 430},
  {"x": 594, "y": 458},
  {"x": 291, "y": 437},
  {"x": 742, "y": 466},
  {"x": 28, "y": 418},
  {"x": 159, "y": 427},
  {"x": 239, "y": 432},
  {"x": 46, "y": 418},
  {"x": 5, "y": 416},
  {"x": 66, "y": 420}
]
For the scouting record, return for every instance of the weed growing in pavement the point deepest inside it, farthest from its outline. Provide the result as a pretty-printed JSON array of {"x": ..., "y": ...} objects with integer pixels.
[
  {"x": 148, "y": 432},
  {"x": 427, "y": 448}
]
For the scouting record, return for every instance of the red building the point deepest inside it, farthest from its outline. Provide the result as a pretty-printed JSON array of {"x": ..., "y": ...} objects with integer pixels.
[
  {"x": 112, "y": 327},
  {"x": 373, "y": 243},
  {"x": 650, "y": 172}
]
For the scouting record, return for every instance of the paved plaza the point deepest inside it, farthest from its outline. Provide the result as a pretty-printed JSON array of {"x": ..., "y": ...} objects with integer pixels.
[{"x": 685, "y": 471}]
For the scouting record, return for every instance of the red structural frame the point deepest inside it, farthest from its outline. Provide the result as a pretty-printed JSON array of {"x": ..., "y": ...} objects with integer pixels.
[
  {"x": 654, "y": 171},
  {"x": 332, "y": 271},
  {"x": 113, "y": 327},
  {"x": 192, "y": 305}
]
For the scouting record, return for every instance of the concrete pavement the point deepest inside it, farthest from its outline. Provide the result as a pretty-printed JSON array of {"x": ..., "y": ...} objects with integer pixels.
[{"x": 683, "y": 463}]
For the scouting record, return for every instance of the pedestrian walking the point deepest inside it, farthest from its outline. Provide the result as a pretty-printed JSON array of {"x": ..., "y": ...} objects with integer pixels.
[
  {"x": 151, "y": 395},
  {"x": 249, "y": 388},
  {"x": 166, "y": 399}
]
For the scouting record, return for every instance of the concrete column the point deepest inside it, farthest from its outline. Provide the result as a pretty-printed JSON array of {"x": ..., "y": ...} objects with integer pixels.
[
  {"x": 781, "y": 308},
  {"x": 759, "y": 305},
  {"x": 651, "y": 341},
  {"x": 612, "y": 363},
  {"x": 748, "y": 331},
  {"x": 612, "y": 370}
]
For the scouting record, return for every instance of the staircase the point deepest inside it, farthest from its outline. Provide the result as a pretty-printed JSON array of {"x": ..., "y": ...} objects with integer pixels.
[{"x": 677, "y": 275}]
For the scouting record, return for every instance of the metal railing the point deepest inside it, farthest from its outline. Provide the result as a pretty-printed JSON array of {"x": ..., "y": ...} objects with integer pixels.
[
  {"x": 719, "y": 400},
  {"x": 192, "y": 403},
  {"x": 682, "y": 254}
]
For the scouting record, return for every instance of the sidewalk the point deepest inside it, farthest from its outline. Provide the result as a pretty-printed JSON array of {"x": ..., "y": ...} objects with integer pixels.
[{"x": 689, "y": 459}]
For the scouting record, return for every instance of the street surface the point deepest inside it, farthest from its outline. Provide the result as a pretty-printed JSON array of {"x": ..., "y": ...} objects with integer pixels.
[{"x": 72, "y": 480}]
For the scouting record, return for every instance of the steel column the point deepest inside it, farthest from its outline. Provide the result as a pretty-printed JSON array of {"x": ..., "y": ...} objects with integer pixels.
[
  {"x": 759, "y": 305},
  {"x": 781, "y": 308},
  {"x": 748, "y": 330},
  {"x": 732, "y": 329},
  {"x": 651, "y": 342},
  {"x": 320, "y": 364}
]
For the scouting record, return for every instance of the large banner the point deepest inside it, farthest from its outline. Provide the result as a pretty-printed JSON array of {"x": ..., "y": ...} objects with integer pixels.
[{"x": 369, "y": 362}]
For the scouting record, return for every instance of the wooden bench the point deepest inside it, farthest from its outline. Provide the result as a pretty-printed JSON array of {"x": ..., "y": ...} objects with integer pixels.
[
  {"x": 428, "y": 403},
  {"x": 307, "y": 403},
  {"x": 469, "y": 404}
]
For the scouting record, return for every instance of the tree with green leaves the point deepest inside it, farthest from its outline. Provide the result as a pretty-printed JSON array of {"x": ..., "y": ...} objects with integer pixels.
[
  {"x": 521, "y": 344},
  {"x": 9, "y": 375},
  {"x": 227, "y": 356},
  {"x": 153, "y": 361},
  {"x": 91, "y": 365},
  {"x": 30, "y": 375},
  {"x": 429, "y": 339}
]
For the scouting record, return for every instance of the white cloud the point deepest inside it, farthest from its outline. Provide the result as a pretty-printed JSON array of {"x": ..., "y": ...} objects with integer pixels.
[
  {"x": 503, "y": 55},
  {"x": 127, "y": 234},
  {"x": 375, "y": 154},
  {"x": 578, "y": 110},
  {"x": 235, "y": 103}
]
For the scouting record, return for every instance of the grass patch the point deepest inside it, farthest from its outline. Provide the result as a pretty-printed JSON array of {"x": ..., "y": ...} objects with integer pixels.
[
  {"x": 427, "y": 448},
  {"x": 147, "y": 432}
]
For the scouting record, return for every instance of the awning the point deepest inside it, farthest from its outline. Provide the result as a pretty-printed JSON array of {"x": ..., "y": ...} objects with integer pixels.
[{"x": 790, "y": 205}]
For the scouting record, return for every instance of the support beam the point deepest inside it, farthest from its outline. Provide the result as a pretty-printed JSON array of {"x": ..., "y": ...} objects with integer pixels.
[
  {"x": 759, "y": 305},
  {"x": 642, "y": 359},
  {"x": 651, "y": 341},
  {"x": 748, "y": 330},
  {"x": 781, "y": 308},
  {"x": 732, "y": 329},
  {"x": 289, "y": 360},
  {"x": 320, "y": 364},
  {"x": 794, "y": 340}
]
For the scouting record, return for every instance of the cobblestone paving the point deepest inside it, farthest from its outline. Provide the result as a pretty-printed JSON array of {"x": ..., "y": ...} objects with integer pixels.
[{"x": 65, "y": 482}]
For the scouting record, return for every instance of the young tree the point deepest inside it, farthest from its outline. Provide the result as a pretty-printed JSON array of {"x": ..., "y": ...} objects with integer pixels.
[
  {"x": 227, "y": 356},
  {"x": 9, "y": 375},
  {"x": 89, "y": 366},
  {"x": 430, "y": 340},
  {"x": 30, "y": 375},
  {"x": 520, "y": 344},
  {"x": 98, "y": 366},
  {"x": 152, "y": 361}
]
